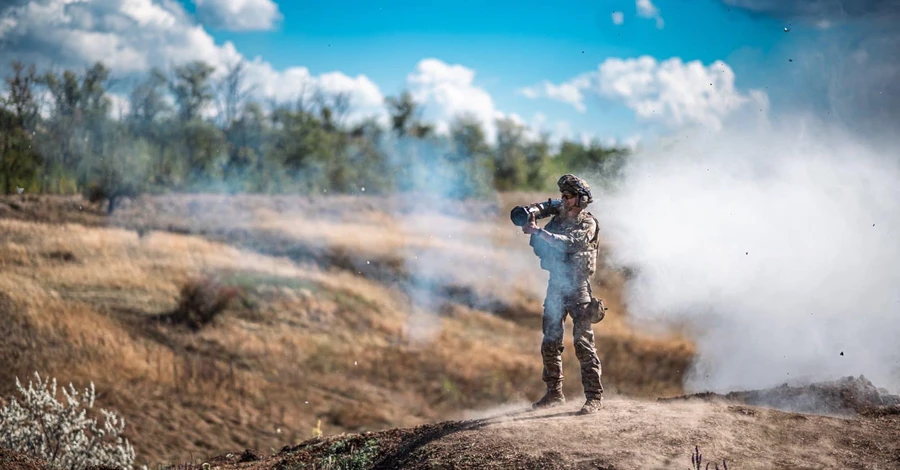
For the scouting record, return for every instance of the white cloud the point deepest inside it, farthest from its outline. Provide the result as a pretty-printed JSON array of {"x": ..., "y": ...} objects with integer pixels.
[
  {"x": 646, "y": 9},
  {"x": 127, "y": 35},
  {"x": 567, "y": 93},
  {"x": 570, "y": 92},
  {"x": 294, "y": 83},
  {"x": 674, "y": 92},
  {"x": 529, "y": 92},
  {"x": 671, "y": 92},
  {"x": 448, "y": 91},
  {"x": 239, "y": 15},
  {"x": 131, "y": 36},
  {"x": 618, "y": 17}
]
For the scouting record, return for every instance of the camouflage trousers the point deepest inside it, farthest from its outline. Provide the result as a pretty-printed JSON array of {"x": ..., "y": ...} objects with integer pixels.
[{"x": 556, "y": 308}]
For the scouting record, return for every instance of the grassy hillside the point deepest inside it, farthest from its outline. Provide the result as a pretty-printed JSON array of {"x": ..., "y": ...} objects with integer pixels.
[{"x": 342, "y": 314}]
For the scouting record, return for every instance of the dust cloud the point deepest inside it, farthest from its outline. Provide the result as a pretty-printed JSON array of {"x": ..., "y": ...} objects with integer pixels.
[{"x": 775, "y": 243}]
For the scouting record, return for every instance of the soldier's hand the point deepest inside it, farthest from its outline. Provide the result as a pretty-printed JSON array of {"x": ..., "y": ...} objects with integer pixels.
[{"x": 530, "y": 227}]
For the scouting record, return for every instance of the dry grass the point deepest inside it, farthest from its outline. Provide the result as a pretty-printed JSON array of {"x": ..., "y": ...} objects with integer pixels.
[{"x": 418, "y": 318}]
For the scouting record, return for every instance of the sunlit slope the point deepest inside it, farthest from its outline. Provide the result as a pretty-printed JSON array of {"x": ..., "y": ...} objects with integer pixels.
[{"x": 344, "y": 314}]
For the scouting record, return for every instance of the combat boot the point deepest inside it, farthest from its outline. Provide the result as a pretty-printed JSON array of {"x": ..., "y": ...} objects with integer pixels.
[
  {"x": 553, "y": 397},
  {"x": 592, "y": 405}
]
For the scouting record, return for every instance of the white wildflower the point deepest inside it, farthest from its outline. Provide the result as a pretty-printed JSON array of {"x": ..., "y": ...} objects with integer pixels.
[{"x": 61, "y": 433}]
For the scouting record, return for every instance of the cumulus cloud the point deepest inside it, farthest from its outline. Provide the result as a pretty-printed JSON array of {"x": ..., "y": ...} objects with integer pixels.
[
  {"x": 671, "y": 92},
  {"x": 675, "y": 92},
  {"x": 570, "y": 92},
  {"x": 618, "y": 17},
  {"x": 448, "y": 91},
  {"x": 127, "y": 35},
  {"x": 131, "y": 36},
  {"x": 646, "y": 9},
  {"x": 239, "y": 15},
  {"x": 297, "y": 83}
]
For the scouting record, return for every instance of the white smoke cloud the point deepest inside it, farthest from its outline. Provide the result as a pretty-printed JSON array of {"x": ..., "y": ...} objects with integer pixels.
[{"x": 777, "y": 243}]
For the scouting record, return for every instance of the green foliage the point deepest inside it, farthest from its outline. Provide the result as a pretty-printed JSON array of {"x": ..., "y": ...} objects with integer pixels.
[
  {"x": 510, "y": 158},
  {"x": 595, "y": 158},
  {"x": 19, "y": 159},
  {"x": 188, "y": 130},
  {"x": 120, "y": 169},
  {"x": 344, "y": 455}
]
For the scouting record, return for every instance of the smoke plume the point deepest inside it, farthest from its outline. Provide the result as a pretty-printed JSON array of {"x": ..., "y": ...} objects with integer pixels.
[
  {"x": 774, "y": 242},
  {"x": 778, "y": 244}
]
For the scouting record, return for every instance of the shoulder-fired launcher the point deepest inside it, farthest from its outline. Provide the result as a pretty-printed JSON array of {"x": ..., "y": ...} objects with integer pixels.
[{"x": 520, "y": 215}]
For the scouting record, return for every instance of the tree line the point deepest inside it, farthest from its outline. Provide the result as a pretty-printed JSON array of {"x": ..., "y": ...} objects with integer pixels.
[{"x": 187, "y": 130}]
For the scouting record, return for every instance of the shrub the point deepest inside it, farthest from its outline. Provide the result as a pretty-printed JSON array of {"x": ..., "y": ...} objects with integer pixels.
[
  {"x": 201, "y": 301},
  {"x": 61, "y": 433}
]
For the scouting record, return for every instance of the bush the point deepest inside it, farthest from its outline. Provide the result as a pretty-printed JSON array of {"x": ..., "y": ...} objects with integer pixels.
[
  {"x": 202, "y": 299},
  {"x": 61, "y": 433}
]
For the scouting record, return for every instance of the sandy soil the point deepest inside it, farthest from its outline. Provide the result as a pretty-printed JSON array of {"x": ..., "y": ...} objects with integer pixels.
[{"x": 626, "y": 434}]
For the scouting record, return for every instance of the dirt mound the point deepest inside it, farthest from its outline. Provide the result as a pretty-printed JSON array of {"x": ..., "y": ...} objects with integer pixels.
[
  {"x": 845, "y": 396},
  {"x": 626, "y": 434},
  {"x": 12, "y": 460}
]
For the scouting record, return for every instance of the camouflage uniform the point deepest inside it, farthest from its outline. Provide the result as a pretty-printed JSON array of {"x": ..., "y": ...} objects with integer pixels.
[{"x": 570, "y": 256}]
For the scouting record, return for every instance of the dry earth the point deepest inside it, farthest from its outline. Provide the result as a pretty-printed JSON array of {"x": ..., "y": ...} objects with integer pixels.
[
  {"x": 329, "y": 331},
  {"x": 626, "y": 434}
]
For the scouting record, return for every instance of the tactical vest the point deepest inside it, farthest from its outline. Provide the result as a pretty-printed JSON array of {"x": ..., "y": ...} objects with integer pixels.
[{"x": 581, "y": 263}]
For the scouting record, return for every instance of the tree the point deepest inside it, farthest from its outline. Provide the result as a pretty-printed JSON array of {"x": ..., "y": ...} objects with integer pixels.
[
  {"x": 145, "y": 120},
  {"x": 121, "y": 173},
  {"x": 593, "y": 157},
  {"x": 77, "y": 123},
  {"x": 245, "y": 142},
  {"x": 199, "y": 141},
  {"x": 233, "y": 93},
  {"x": 537, "y": 161},
  {"x": 469, "y": 158},
  {"x": 19, "y": 159},
  {"x": 406, "y": 116},
  {"x": 192, "y": 89},
  {"x": 510, "y": 159},
  {"x": 333, "y": 109}
]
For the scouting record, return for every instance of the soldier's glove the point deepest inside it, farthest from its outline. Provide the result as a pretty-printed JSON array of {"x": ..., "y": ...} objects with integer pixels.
[{"x": 596, "y": 310}]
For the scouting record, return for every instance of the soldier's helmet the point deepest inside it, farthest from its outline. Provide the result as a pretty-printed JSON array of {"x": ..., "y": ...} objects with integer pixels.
[{"x": 575, "y": 185}]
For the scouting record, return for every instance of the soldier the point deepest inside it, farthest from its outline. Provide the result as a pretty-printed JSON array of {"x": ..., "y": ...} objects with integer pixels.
[{"x": 567, "y": 248}]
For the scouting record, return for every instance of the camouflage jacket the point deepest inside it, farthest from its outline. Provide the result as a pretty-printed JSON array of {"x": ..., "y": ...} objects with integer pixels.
[{"x": 571, "y": 254}]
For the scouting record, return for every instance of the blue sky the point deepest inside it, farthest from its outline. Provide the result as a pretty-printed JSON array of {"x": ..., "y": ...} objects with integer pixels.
[
  {"x": 568, "y": 68},
  {"x": 511, "y": 45}
]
